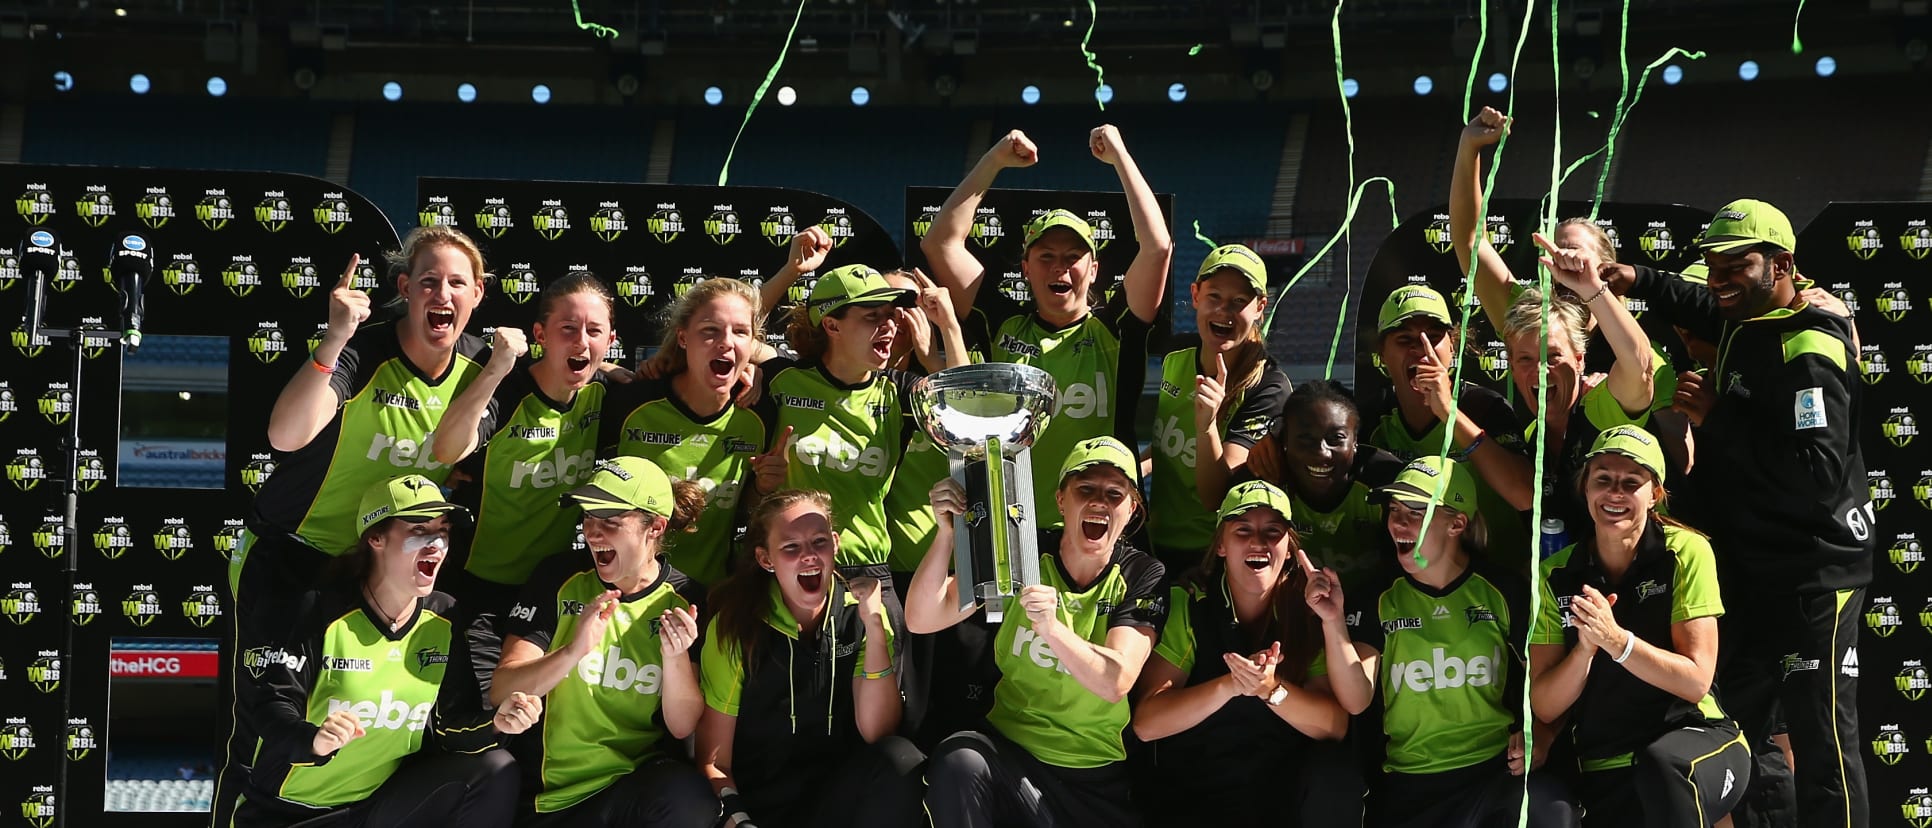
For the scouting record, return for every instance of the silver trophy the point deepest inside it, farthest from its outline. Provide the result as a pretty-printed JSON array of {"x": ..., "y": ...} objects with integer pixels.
[{"x": 986, "y": 417}]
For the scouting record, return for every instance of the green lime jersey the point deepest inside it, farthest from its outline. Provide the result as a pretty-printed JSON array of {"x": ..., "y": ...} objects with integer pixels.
[
  {"x": 1177, "y": 519},
  {"x": 846, "y": 441},
  {"x": 336, "y": 657},
  {"x": 385, "y": 426},
  {"x": 647, "y": 419},
  {"x": 908, "y": 505},
  {"x": 534, "y": 449},
  {"x": 603, "y": 719},
  {"x": 1350, "y": 538},
  {"x": 1508, "y": 528},
  {"x": 1449, "y": 658},
  {"x": 1098, "y": 363},
  {"x": 1039, "y": 704}
]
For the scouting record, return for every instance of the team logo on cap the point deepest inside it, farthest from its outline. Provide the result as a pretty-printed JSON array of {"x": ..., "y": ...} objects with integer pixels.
[
  {"x": 300, "y": 277},
  {"x": 38, "y": 808},
  {"x": 634, "y": 287},
  {"x": 44, "y": 672},
  {"x": 837, "y": 225},
  {"x": 610, "y": 221},
  {"x": 666, "y": 224},
  {"x": 1900, "y": 427},
  {"x": 25, "y": 471},
  {"x": 1657, "y": 242},
  {"x": 928, "y": 215},
  {"x": 722, "y": 225},
  {"x": 21, "y": 603},
  {"x": 86, "y": 605},
  {"x": 1883, "y": 618},
  {"x": 155, "y": 208},
  {"x": 181, "y": 274},
  {"x": 16, "y": 738},
  {"x": 779, "y": 226},
  {"x": 1437, "y": 234},
  {"x": 332, "y": 213},
  {"x": 494, "y": 218},
  {"x": 274, "y": 211},
  {"x": 202, "y": 606},
  {"x": 255, "y": 475},
  {"x": 35, "y": 206},
  {"x": 142, "y": 605},
  {"x": 1893, "y": 301},
  {"x": 987, "y": 228},
  {"x": 1912, "y": 681},
  {"x": 96, "y": 207},
  {"x": 1873, "y": 365},
  {"x": 241, "y": 276},
  {"x": 1906, "y": 553},
  {"x": 112, "y": 539},
  {"x": 1864, "y": 240},
  {"x": 80, "y": 739},
  {"x": 1916, "y": 241},
  {"x": 437, "y": 213},
  {"x": 215, "y": 209},
  {"x": 1922, "y": 490},
  {"x": 1890, "y": 745},
  {"x": 173, "y": 539},
  {"x": 57, "y": 403},
  {"x": 551, "y": 220},
  {"x": 48, "y": 538},
  {"x": 267, "y": 342}
]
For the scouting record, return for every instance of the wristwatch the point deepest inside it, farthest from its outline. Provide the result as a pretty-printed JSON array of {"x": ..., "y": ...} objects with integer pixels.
[{"x": 1281, "y": 693}]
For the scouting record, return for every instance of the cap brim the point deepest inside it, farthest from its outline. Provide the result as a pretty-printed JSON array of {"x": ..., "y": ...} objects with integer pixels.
[
  {"x": 1397, "y": 322},
  {"x": 426, "y": 512},
  {"x": 1641, "y": 462},
  {"x": 596, "y": 502},
  {"x": 1401, "y": 492},
  {"x": 1131, "y": 475},
  {"x": 897, "y": 297},
  {"x": 1726, "y": 244}
]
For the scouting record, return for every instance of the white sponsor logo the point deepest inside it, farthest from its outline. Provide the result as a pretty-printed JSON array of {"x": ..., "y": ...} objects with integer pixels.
[
  {"x": 1443, "y": 671},
  {"x": 611, "y": 670},
  {"x": 389, "y": 713},
  {"x": 1809, "y": 408}
]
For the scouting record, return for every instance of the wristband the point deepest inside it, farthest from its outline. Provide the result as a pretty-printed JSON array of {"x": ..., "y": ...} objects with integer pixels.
[
  {"x": 1599, "y": 294},
  {"x": 1280, "y": 695},
  {"x": 319, "y": 367},
  {"x": 1471, "y": 448},
  {"x": 868, "y": 675},
  {"x": 734, "y": 810},
  {"x": 1628, "y": 645}
]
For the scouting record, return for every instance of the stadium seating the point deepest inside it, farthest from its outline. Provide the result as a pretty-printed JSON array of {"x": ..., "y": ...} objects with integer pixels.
[{"x": 180, "y": 133}]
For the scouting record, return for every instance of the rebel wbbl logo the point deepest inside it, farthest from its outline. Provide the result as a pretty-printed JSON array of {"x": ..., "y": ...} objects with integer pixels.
[
  {"x": 6, "y": 535},
  {"x": 634, "y": 287},
  {"x": 86, "y": 605},
  {"x": 29, "y": 346},
  {"x": 300, "y": 278},
  {"x": 202, "y": 606},
  {"x": 241, "y": 276},
  {"x": 520, "y": 284},
  {"x": 68, "y": 274},
  {"x": 610, "y": 221},
  {"x": 1102, "y": 225},
  {"x": 437, "y": 213},
  {"x": 332, "y": 213},
  {"x": 1610, "y": 230},
  {"x": 1922, "y": 490},
  {"x": 267, "y": 342},
  {"x": 1893, "y": 301},
  {"x": 155, "y": 208},
  {"x": 1919, "y": 364},
  {"x": 722, "y": 226},
  {"x": 778, "y": 227},
  {"x": 35, "y": 206},
  {"x": 113, "y": 539},
  {"x": 44, "y": 672},
  {"x": 38, "y": 808},
  {"x": 1900, "y": 426},
  {"x": 254, "y": 475},
  {"x": 274, "y": 211},
  {"x": 1890, "y": 745},
  {"x": 1657, "y": 241},
  {"x": 93, "y": 471},
  {"x": 666, "y": 224},
  {"x": 9, "y": 268},
  {"x": 838, "y": 225},
  {"x": 692, "y": 276},
  {"x": 1916, "y": 241},
  {"x": 1912, "y": 681},
  {"x": 1437, "y": 234},
  {"x": 141, "y": 606},
  {"x": 57, "y": 403},
  {"x": 49, "y": 538},
  {"x": 181, "y": 274},
  {"x": 1864, "y": 240},
  {"x": 1878, "y": 484},
  {"x": 21, "y": 603},
  {"x": 25, "y": 470},
  {"x": 1873, "y": 365},
  {"x": 81, "y": 739},
  {"x": 96, "y": 207},
  {"x": 1917, "y": 809},
  {"x": 16, "y": 738},
  {"x": 1883, "y": 617},
  {"x": 1906, "y": 553},
  {"x": 173, "y": 539},
  {"x": 922, "y": 225},
  {"x": 988, "y": 228},
  {"x": 215, "y": 209},
  {"x": 552, "y": 220},
  {"x": 228, "y": 540},
  {"x": 494, "y": 218},
  {"x": 1013, "y": 286}
]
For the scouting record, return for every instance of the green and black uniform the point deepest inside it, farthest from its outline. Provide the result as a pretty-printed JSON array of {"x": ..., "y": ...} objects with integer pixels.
[
  {"x": 337, "y": 655},
  {"x": 1225, "y": 769},
  {"x": 1099, "y": 363},
  {"x": 1595, "y": 412},
  {"x": 797, "y": 757},
  {"x": 1636, "y": 744},
  {"x": 1178, "y": 526},
  {"x": 647, "y": 419},
  {"x": 1055, "y": 754},
  {"x": 1508, "y": 528},
  {"x": 1351, "y": 537},
  {"x": 602, "y": 724}
]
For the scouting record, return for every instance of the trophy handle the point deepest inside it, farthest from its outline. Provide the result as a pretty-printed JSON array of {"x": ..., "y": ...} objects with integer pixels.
[
  {"x": 965, "y": 579},
  {"x": 1025, "y": 531}
]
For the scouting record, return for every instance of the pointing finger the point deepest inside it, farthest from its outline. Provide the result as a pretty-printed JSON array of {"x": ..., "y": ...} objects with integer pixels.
[
  {"x": 349, "y": 273},
  {"x": 1220, "y": 369}
]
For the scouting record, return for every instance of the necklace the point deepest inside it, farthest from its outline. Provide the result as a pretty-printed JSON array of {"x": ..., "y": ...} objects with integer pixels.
[{"x": 395, "y": 621}]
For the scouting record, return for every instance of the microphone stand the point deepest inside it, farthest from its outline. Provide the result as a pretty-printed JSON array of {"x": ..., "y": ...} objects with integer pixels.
[{"x": 74, "y": 338}]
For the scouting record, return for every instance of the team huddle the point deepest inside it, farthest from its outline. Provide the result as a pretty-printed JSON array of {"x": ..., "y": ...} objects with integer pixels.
[{"x": 514, "y": 583}]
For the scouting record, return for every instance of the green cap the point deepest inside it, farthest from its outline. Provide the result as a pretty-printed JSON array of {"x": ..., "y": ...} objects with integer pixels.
[
  {"x": 1745, "y": 222},
  {"x": 1696, "y": 273},
  {"x": 853, "y": 285},
  {"x": 1059, "y": 218},
  {"x": 623, "y": 484},
  {"x": 1410, "y": 301},
  {"x": 1417, "y": 482},
  {"x": 1634, "y": 443},
  {"x": 1240, "y": 258},
  {"x": 1256, "y": 494},
  {"x": 412, "y": 497},
  {"x": 1101, "y": 451}
]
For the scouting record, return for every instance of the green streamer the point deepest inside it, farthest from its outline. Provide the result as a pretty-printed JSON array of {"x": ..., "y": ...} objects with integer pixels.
[
  {"x": 1354, "y": 201},
  {"x": 1482, "y": 42},
  {"x": 595, "y": 29},
  {"x": 724, "y": 172},
  {"x": 1609, "y": 147},
  {"x": 1194, "y": 50},
  {"x": 1093, "y": 60},
  {"x": 1203, "y": 239},
  {"x": 1797, "y": 46}
]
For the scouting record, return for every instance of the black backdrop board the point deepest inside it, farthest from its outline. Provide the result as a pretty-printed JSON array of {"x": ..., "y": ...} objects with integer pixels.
[
  {"x": 650, "y": 242},
  {"x": 296, "y": 233},
  {"x": 1878, "y": 257},
  {"x": 1419, "y": 251}
]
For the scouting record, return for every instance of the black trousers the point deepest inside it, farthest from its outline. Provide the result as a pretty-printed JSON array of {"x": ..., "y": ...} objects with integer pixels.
[
  {"x": 877, "y": 786},
  {"x": 1786, "y": 654},
  {"x": 983, "y": 780},
  {"x": 665, "y": 793},
  {"x": 1688, "y": 778},
  {"x": 429, "y": 790},
  {"x": 949, "y": 678},
  {"x": 1483, "y": 795}
]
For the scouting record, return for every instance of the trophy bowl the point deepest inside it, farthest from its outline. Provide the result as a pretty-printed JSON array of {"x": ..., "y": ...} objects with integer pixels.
[{"x": 961, "y": 408}]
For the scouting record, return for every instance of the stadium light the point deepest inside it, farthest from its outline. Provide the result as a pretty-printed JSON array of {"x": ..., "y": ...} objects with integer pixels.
[
  {"x": 392, "y": 91},
  {"x": 466, "y": 92},
  {"x": 1104, "y": 93},
  {"x": 1827, "y": 66},
  {"x": 540, "y": 93},
  {"x": 1350, "y": 87},
  {"x": 1498, "y": 82},
  {"x": 1672, "y": 74},
  {"x": 1424, "y": 84},
  {"x": 139, "y": 83},
  {"x": 861, "y": 96},
  {"x": 1177, "y": 92},
  {"x": 787, "y": 96},
  {"x": 713, "y": 95},
  {"x": 1030, "y": 95},
  {"x": 63, "y": 81},
  {"x": 217, "y": 87},
  {"x": 1748, "y": 70}
]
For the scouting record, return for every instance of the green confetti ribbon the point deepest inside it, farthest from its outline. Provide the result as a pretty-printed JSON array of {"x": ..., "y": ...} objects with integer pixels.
[
  {"x": 724, "y": 173},
  {"x": 1194, "y": 50},
  {"x": 1797, "y": 46},
  {"x": 1093, "y": 60},
  {"x": 1609, "y": 147},
  {"x": 595, "y": 29},
  {"x": 1203, "y": 239},
  {"x": 1482, "y": 42}
]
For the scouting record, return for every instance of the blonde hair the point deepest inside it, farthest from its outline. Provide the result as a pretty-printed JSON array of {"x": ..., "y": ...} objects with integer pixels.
[
  {"x": 669, "y": 358},
  {"x": 1606, "y": 250},
  {"x": 423, "y": 239},
  {"x": 1567, "y": 319}
]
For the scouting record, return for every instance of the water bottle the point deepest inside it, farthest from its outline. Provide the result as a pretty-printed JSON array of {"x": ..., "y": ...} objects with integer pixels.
[{"x": 1555, "y": 537}]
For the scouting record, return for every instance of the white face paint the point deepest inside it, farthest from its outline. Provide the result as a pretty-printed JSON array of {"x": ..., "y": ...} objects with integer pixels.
[{"x": 417, "y": 543}]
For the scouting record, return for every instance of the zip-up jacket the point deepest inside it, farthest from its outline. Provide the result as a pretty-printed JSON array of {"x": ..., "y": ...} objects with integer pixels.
[{"x": 1791, "y": 511}]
